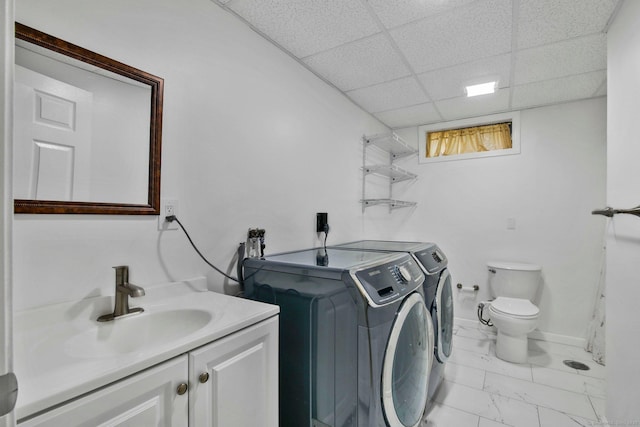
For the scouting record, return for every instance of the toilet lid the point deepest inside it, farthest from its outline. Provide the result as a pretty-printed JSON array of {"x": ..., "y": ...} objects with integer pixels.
[{"x": 519, "y": 307}]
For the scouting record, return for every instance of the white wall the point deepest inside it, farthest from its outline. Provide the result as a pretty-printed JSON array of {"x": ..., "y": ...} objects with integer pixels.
[
  {"x": 623, "y": 245},
  {"x": 549, "y": 189},
  {"x": 250, "y": 139}
]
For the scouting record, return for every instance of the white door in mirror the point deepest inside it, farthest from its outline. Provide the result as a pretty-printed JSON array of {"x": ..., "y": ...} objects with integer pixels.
[{"x": 52, "y": 140}]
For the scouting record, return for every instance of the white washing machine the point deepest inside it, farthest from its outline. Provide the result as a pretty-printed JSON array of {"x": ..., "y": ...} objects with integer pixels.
[
  {"x": 437, "y": 292},
  {"x": 356, "y": 339}
]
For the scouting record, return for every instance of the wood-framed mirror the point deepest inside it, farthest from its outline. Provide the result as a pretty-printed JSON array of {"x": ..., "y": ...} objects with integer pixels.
[{"x": 87, "y": 131}]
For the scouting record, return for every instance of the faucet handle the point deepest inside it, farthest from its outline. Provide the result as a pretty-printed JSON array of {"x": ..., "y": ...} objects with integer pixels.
[{"x": 124, "y": 290}]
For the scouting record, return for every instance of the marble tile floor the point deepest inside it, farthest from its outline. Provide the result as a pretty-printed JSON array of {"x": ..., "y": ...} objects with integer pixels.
[{"x": 480, "y": 390}]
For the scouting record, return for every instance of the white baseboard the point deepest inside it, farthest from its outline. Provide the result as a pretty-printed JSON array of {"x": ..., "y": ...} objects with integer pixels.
[
  {"x": 536, "y": 335},
  {"x": 557, "y": 338}
]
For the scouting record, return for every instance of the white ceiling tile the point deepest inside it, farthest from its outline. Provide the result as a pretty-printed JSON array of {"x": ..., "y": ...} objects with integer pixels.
[
  {"x": 463, "y": 107},
  {"x": 575, "y": 56},
  {"x": 450, "y": 82},
  {"x": 389, "y": 96},
  {"x": 479, "y": 30},
  {"x": 559, "y": 90},
  {"x": 415, "y": 115},
  {"x": 440, "y": 46},
  {"x": 362, "y": 63},
  {"x": 546, "y": 21},
  {"x": 602, "y": 90},
  {"x": 305, "y": 27},
  {"x": 398, "y": 12}
]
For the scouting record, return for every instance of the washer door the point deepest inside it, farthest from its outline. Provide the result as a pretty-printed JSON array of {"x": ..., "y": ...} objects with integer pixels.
[
  {"x": 443, "y": 305},
  {"x": 407, "y": 364}
]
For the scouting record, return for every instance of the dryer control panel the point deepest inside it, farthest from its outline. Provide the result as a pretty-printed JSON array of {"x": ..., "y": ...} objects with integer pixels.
[
  {"x": 385, "y": 283},
  {"x": 433, "y": 259}
]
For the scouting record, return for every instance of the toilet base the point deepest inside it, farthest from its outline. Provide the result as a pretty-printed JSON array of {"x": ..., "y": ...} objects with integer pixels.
[{"x": 514, "y": 349}]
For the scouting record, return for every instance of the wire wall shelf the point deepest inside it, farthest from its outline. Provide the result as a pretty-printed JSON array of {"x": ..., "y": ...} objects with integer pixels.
[
  {"x": 396, "y": 148},
  {"x": 393, "y": 172},
  {"x": 393, "y": 204},
  {"x": 392, "y": 144}
]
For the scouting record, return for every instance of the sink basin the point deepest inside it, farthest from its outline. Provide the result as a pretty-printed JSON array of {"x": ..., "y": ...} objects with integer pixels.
[{"x": 136, "y": 333}]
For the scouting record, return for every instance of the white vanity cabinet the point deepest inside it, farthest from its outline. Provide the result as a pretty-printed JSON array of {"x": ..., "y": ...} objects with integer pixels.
[
  {"x": 232, "y": 381},
  {"x": 147, "y": 398}
]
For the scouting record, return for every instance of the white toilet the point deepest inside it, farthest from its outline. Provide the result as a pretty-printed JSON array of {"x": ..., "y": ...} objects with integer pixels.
[{"x": 514, "y": 286}]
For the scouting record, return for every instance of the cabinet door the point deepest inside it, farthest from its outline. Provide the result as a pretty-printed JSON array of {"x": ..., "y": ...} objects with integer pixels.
[
  {"x": 234, "y": 381},
  {"x": 148, "y": 398}
]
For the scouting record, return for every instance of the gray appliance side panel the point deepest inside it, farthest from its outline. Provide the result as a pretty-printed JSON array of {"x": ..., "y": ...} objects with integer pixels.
[
  {"x": 318, "y": 346},
  {"x": 289, "y": 278},
  {"x": 334, "y": 361}
]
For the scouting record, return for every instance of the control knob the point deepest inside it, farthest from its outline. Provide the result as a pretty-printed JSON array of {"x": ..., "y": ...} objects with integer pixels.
[{"x": 403, "y": 274}]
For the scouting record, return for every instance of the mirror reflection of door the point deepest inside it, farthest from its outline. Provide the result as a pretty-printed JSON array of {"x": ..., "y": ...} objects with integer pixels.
[{"x": 52, "y": 138}]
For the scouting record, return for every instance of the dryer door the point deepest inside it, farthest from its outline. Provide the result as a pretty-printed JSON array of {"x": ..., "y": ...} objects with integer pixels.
[
  {"x": 407, "y": 364},
  {"x": 443, "y": 305}
]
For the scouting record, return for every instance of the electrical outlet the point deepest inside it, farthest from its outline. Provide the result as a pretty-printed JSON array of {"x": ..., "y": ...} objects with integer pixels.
[{"x": 168, "y": 207}]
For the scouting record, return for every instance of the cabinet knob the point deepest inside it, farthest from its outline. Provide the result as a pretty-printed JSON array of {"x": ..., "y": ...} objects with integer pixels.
[
  {"x": 182, "y": 389},
  {"x": 204, "y": 377}
]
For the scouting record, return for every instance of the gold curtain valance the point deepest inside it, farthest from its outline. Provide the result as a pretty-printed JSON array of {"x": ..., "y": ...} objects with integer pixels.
[{"x": 469, "y": 140}]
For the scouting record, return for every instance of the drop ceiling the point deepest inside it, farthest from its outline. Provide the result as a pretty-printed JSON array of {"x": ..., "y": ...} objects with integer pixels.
[{"x": 407, "y": 62}]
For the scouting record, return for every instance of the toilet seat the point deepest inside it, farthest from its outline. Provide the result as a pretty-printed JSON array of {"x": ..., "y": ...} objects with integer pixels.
[{"x": 514, "y": 307}]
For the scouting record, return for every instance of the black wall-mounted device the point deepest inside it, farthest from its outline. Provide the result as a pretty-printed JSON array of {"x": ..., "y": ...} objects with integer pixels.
[{"x": 322, "y": 222}]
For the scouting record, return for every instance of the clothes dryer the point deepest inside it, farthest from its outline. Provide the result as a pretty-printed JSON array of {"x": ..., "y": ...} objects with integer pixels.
[
  {"x": 437, "y": 290},
  {"x": 356, "y": 340}
]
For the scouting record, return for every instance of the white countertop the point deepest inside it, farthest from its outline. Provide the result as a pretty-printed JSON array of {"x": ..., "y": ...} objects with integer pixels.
[{"x": 49, "y": 373}]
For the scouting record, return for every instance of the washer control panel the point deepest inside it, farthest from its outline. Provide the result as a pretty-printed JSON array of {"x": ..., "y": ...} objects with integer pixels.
[
  {"x": 433, "y": 259},
  {"x": 386, "y": 283}
]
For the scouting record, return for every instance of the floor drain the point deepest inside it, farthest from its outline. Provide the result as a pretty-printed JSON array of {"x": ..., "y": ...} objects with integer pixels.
[{"x": 576, "y": 365}]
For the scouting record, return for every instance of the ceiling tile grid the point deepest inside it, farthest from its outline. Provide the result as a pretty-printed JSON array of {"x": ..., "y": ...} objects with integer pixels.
[
  {"x": 400, "y": 12},
  {"x": 574, "y": 56},
  {"x": 409, "y": 116},
  {"x": 389, "y": 95},
  {"x": 548, "y": 21},
  {"x": 564, "y": 89},
  {"x": 602, "y": 90},
  {"x": 475, "y": 31},
  {"x": 407, "y": 62},
  {"x": 305, "y": 27},
  {"x": 450, "y": 82},
  {"x": 365, "y": 62},
  {"x": 463, "y": 107}
]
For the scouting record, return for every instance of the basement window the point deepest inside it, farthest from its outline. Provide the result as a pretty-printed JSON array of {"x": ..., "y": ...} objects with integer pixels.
[{"x": 488, "y": 136}]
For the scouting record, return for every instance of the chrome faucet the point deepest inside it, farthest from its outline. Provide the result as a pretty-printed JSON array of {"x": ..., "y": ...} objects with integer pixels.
[{"x": 124, "y": 290}]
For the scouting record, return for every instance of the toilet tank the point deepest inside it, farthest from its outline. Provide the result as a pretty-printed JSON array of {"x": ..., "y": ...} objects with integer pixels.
[{"x": 514, "y": 279}]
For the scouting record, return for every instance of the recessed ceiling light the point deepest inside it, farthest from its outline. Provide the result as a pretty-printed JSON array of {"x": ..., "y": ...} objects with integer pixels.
[{"x": 481, "y": 89}]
